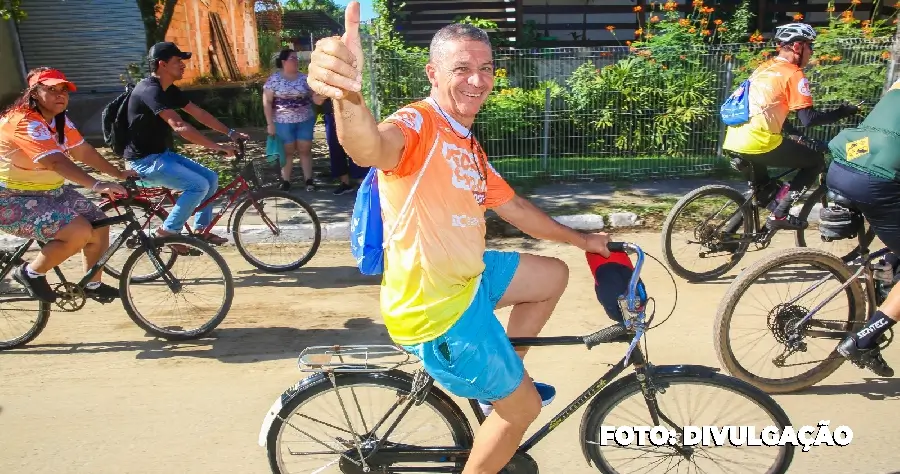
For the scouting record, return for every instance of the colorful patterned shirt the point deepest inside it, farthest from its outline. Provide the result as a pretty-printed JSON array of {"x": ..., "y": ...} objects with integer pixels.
[
  {"x": 434, "y": 261},
  {"x": 292, "y": 99}
]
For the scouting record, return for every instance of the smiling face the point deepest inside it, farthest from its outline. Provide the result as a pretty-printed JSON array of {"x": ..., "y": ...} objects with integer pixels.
[
  {"x": 461, "y": 77},
  {"x": 52, "y": 99}
]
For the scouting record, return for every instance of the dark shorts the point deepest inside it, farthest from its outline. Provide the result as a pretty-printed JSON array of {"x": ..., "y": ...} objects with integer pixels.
[
  {"x": 40, "y": 215},
  {"x": 877, "y": 198}
]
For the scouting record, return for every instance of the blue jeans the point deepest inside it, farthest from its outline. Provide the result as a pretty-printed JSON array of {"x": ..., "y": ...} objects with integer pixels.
[
  {"x": 474, "y": 358},
  {"x": 197, "y": 183},
  {"x": 296, "y": 131}
]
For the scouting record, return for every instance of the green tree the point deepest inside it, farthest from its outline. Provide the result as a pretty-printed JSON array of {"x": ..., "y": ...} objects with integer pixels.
[
  {"x": 11, "y": 10},
  {"x": 328, "y": 6},
  {"x": 156, "y": 14}
]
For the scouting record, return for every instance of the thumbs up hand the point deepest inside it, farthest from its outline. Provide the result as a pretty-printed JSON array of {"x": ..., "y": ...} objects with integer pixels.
[{"x": 335, "y": 68}]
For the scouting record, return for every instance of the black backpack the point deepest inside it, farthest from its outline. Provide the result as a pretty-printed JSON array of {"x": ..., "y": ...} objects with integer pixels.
[{"x": 115, "y": 121}]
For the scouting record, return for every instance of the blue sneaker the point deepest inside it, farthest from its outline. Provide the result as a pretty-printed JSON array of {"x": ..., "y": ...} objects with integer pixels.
[{"x": 547, "y": 393}]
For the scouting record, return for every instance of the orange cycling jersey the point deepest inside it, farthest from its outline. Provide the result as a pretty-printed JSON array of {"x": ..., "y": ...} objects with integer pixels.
[
  {"x": 435, "y": 257},
  {"x": 777, "y": 88},
  {"x": 25, "y": 138}
]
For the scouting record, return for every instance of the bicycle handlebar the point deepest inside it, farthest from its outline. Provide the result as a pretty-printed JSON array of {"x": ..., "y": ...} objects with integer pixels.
[{"x": 634, "y": 320}]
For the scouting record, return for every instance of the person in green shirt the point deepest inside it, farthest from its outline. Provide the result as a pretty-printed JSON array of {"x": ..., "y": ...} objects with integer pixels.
[{"x": 865, "y": 169}]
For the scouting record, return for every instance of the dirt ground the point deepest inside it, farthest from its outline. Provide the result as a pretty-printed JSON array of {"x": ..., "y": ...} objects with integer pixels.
[{"x": 94, "y": 394}]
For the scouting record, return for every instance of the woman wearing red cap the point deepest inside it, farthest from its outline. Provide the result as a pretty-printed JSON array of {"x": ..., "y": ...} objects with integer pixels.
[{"x": 37, "y": 146}]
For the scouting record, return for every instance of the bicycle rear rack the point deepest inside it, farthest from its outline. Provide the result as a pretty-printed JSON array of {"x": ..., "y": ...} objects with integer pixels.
[{"x": 353, "y": 358}]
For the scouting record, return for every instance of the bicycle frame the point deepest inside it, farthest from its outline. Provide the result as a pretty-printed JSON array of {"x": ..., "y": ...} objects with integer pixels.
[
  {"x": 239, "y": 185},
  {"x": 633, "y": 318},
  {"x": 865, "y": 258}
]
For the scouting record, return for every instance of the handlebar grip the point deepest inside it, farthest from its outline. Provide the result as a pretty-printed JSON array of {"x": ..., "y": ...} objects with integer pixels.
[
  {"x": 616, "y": 246},
  {"x": 607, "y": 334}
]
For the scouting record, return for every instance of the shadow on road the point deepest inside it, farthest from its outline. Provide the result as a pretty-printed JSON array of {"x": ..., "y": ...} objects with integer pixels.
[
  {"x": 229, "y": 345},
  {"x": 344, "y": 276},
  {"x": 875, "y": 388}
]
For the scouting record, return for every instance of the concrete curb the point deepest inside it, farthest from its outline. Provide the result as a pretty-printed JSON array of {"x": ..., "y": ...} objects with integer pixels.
[{"x": 340, "y": 231}]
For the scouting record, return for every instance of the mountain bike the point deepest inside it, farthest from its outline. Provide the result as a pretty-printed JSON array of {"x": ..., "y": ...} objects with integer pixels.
[
  {"x": 730, "y": 222},
  {"x": 793, "y": 322},
  {"x": 375, "y": 442},
  {"x": 71, "y": 296},
  {"x": 259, "y": 219}
]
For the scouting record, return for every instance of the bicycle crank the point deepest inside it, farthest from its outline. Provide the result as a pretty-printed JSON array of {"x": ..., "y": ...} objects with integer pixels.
[
  {"x": 70, "y": 297},
  {"x": 521, "y": 463}
]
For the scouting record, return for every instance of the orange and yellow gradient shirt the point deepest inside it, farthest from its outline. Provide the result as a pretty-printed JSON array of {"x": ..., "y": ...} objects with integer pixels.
[
  {"x": 434, "y": 259},
  {"x": 25, "y": 138}
]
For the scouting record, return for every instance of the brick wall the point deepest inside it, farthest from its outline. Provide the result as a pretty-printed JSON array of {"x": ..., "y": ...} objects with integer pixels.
[{"x": 190, "y": 30}]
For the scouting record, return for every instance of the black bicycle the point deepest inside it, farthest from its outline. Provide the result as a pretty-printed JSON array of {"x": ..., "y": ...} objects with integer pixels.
[
  {"x": 161, "y": 285},
  {"x": 724, "y": 223},
  {"x": 798, "y": 326},
  {"x": 423, "y": 430}
]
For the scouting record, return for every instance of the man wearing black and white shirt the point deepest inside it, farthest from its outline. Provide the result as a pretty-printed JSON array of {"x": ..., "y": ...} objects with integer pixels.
[{"x": 152, "y": 117}]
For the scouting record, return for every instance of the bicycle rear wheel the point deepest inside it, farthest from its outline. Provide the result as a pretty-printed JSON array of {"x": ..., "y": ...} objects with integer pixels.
[
  {"x": 624, "y": 404},
  {"x": 202, "y": 297},
  {"x": 698, "y": 218},
  {"x": 276, "y": 231},
  {"x": 741, "y": 341},
  {"x": 296, "y": 443}
]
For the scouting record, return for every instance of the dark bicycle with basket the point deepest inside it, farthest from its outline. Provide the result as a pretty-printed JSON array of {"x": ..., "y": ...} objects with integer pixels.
[{"x": 328, "y": 422}]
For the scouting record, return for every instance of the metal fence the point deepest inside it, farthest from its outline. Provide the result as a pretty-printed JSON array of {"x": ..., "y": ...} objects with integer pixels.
[{"x": 623, "y": 113}]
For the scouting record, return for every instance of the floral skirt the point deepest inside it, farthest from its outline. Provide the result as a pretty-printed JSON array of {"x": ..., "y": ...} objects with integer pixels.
[{"x": 40, "y": 215}]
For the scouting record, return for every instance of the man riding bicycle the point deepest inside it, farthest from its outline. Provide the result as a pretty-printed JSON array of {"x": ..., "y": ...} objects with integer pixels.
[
  {"x": 865, "y": 169},
  {"x": 440, "y": 285},
  {"x": 151, "y": 120},
  {"x": 778, "y": 87},
  {"x": 37, "y": 146}
]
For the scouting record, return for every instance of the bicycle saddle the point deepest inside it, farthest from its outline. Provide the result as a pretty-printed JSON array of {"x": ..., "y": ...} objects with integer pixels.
[{"x": 840, "y": 200}]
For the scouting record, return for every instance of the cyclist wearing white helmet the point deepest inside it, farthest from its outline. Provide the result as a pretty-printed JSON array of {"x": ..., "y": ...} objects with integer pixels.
[{"x": 778, "y": 87}]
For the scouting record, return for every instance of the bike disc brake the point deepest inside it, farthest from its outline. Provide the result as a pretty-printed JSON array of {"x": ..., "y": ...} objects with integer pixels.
[{"x": 70, "y": 297}]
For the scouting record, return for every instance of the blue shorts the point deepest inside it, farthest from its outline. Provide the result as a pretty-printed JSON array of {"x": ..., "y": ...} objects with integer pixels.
[
  {"x": 296, "y": 131},
  {"x": 474, "y": 358}
]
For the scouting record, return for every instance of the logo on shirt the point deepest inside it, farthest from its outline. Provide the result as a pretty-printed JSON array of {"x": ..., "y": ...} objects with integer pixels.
[
  {"x": 464, "y": 174},
  {"x": 461, "y": 220},
  {"x": 857, "y": 148},
  {"x": 410, "y": 117},
  {"x": 803, "y": 87},
  {"x": 38, "y": 130}
]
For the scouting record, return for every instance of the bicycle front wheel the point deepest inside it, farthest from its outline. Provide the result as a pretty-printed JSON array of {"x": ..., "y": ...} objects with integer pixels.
[
  {"x": 758, "y": 335},
  {"x": 276, "y": 231},
  {"x": 22, "y": 317},
  {"x": 707, "y": 400},
  {"x": 704, "y": 235},
  {"x": 188, "y": 300},
  {"x": 331, "y": 426},
  {"x": 150, "y": 220}
]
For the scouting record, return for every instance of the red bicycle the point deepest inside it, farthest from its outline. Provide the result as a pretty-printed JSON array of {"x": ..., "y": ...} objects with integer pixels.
[{"x": 262, "y": 221}]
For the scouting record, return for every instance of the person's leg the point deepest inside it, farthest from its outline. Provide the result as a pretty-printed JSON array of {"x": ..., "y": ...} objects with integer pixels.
[
  {"x": 203, "y": 217},
  {"x": 43, "y": 217},
  {"x": 337, "y": 156},
  {"x": 877, "y": 199},
  {"x": 167, "y": 169},
  {"x": 474, "y": 359},
  {"x": 287, "y": 133},
  {"x": 96, "y": 245},
  {"x": 305, "y": 131},
  {"x": 790, "y": 154}
]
